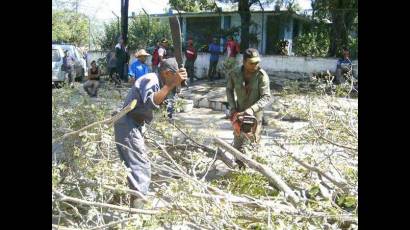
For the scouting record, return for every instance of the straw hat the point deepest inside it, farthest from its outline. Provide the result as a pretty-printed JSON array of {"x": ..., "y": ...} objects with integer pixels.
[{"x": 141, "y": 52}]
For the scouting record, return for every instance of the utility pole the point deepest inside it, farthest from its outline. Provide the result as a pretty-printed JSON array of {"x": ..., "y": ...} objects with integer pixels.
[{"x": 124, "y": 19}]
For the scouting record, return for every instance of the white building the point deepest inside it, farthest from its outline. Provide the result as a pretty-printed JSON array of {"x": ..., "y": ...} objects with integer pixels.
[{"x": 267, "y": 26}]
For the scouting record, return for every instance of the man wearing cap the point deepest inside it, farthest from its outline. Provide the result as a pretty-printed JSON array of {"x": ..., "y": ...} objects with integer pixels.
[
  {"x": 162, "y": 51},
  {"x": 138, "y": 68},
  {"x": 128, "y": 130},
  {"x": 250, "y": 83}
]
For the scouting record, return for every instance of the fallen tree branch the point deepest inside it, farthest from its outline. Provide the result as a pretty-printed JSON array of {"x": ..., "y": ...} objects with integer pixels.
[
  {"x": 59, "y": 227},
  {"x": 228, "y": 160},
  {"x": 107, "y": 121},
  {"x": 115, "y": 223},
  {"x": 272, "y": 177},
  {"x": 63, "y": 197},
  {"x": 344, "y": 186},
  {"x": 332, "y": 142},
  {"x": 126, "y": 190}
]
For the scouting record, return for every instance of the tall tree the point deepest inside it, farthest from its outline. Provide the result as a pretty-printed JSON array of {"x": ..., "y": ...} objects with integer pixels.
[
  {"x": 342, "y": 14},
  {"x": 69, "y": 26}
]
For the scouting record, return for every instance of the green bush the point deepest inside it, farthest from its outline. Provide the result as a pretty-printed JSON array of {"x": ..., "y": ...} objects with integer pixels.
[{"x": 314, "y": 44}]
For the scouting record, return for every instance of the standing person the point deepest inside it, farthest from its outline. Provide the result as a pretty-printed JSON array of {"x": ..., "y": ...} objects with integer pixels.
[
  {"x": 155, "y": 58},
  {"x": 128, "y": 134},
  {"x": 121, "y": 56},
  {"x": 68, "y": 67},
  {"x": 112, "y": 68},
  {"x": 162, "y": 50},
  {"x": 231, "y": 47},
  {"x": 190, "y": 55},
  {"x": 251, "y": 86},
  {"x": 93, "y": 83},
  {"x": 138, "y": 68},
  {"x": 343, "y": 66},
  {"x": 214, "y": 49}
]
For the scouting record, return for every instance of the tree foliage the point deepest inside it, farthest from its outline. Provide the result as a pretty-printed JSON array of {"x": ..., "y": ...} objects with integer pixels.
[
  {"x": 342, "y": 15},
  {"x": 142, "y": 33},
  {"x": 315, "y": 44},
  {"x": 69, "y": 26},
  {"x": 109, "y": 37},
  {"x": 192, "y": 5}
]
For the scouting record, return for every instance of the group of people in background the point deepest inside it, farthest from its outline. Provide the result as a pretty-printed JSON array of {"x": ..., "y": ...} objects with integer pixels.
[{"x": 120, "y": 70}]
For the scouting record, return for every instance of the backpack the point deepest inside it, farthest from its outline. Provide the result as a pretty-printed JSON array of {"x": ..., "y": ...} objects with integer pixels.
[{"x": 155, "y": 57}]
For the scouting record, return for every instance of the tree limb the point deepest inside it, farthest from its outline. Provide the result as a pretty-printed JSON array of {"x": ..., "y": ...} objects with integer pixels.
[
  {"x": 107, "y": 121},
  {"x": 63, "y": 197},
  {"x": 342, "y": 185},
  {"x": 272, "y": 177}
]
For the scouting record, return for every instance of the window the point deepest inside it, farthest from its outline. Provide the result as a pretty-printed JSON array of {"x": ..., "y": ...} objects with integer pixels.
[{"x": 227, "y": 22}]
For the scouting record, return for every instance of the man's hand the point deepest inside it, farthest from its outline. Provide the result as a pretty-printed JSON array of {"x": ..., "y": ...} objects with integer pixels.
[
  {"x": 248, "y": 111},
  {"x": 177, "y": 78}
]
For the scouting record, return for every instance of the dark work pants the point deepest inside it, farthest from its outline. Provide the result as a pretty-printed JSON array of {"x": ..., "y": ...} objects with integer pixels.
[
  {"x": 133, "y": 153},
  {"x": 189, "y": 65},
  {"x": 212, "y": 69}
]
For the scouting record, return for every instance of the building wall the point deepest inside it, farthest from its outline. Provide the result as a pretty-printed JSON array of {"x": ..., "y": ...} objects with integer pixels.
[
  {"x": 275, "y": 63},
  {"x": 270, "y": 63}
]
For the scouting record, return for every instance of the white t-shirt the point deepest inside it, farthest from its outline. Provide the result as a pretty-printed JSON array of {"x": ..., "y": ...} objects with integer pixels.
[{"x": 161, "y": 52}]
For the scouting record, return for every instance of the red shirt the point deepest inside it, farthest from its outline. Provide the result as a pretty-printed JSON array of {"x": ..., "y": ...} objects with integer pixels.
[
  {"x": 232, "y": 48},
  {"x": 190, "y": 53}
]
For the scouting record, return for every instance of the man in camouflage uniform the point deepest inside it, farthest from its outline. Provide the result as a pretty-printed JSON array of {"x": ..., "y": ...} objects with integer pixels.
[{"x": 250, "y": 83}]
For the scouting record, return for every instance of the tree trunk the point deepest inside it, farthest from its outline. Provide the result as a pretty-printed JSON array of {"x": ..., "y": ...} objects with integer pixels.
[
  {"x": 338, "y": 31},
  {"x": 245, "y": 14}
]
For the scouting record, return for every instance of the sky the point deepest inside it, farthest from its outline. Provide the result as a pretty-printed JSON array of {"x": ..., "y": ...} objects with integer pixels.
[{"x": 102, "y": 9}]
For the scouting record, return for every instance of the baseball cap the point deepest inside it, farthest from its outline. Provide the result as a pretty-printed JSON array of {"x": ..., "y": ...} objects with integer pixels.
[
  {"x": 169, "y": 63},
  {"x": 252, "y": 54},
  {"x": 164, "y": 40}
]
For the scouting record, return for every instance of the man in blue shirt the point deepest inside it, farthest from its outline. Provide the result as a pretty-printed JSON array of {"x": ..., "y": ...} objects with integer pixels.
[
  {"x": 128, "y": 129},
  {"x": 214, "y": 49},
  {"x": 138, "y": 67},
  {"x": 343, "y": 66}
]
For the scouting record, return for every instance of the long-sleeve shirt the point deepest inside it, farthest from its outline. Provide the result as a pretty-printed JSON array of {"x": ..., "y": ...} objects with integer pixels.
[
  {"x": 256, "y": 95},
  {"x": 137, "y": 69},
  {"x": 214, "y": 50}
]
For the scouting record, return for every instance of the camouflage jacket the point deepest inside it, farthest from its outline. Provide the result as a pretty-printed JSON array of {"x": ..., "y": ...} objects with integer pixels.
[{"x": 257, "y": 97}]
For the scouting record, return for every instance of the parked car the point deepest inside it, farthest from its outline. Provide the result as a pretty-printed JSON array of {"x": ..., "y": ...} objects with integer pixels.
[
  {"x": 80, "y": 65},
  {"x": 57, "y": 55}
]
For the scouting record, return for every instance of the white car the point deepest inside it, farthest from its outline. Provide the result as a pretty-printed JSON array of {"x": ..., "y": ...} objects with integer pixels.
[{"x": 57, "y": 55}]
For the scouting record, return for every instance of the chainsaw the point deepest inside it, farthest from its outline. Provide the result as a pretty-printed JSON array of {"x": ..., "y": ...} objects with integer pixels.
[{"x": 245, "y": 124}]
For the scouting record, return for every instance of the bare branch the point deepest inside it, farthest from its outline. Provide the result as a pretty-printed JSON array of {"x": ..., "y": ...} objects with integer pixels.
[{"x": 63, "y": 197}]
